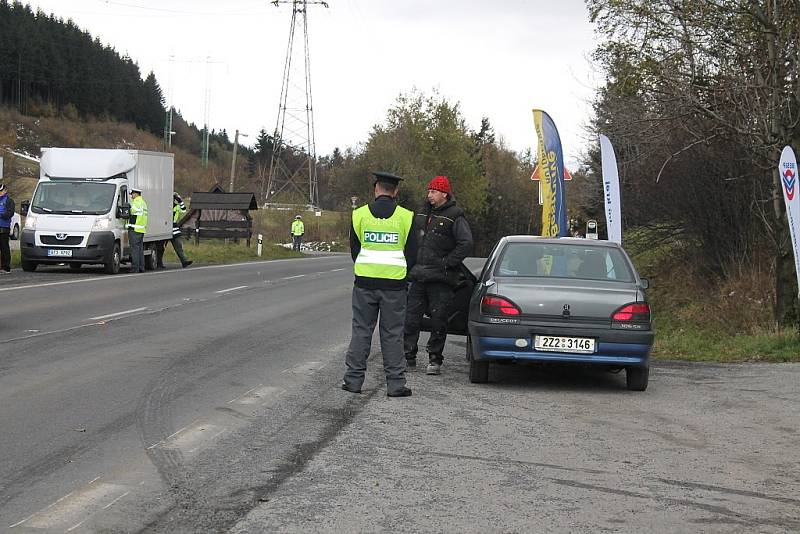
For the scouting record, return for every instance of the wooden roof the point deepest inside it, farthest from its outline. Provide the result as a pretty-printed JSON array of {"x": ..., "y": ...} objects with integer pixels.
[{"x": 223, "y": 201}]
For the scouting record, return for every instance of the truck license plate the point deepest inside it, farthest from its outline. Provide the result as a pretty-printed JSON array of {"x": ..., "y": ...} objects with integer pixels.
[
  {"x": 579, "y": 345},
  {"x": 59, "y": 252}
]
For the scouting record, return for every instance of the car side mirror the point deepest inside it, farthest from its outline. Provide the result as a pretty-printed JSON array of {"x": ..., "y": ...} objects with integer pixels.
[
  {"x": 644, "y": 283},
  {"x": 24, "y": 206},
  {"x": 124, "y": 211}
]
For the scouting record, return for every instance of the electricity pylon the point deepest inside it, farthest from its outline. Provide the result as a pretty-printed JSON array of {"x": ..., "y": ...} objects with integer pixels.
[{"x": 293, "y": 163}]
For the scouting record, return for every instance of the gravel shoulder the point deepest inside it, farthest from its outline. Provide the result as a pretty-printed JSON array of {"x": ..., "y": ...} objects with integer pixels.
[{"x": 707, "y": 448}]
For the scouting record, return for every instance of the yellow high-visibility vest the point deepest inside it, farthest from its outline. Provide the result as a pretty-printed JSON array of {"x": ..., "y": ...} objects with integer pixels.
[{"x": 382, "y": 243}]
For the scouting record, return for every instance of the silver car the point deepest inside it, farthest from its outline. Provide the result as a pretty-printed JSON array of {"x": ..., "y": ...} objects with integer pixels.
[{"x": 560, "y": 300}]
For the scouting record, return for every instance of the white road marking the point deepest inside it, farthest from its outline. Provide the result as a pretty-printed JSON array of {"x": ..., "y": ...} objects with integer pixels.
[
  {"x": 291, "y": 277},
  {"x": 190, "y": 438},
  {"x": 245, "y": 393},
  {"x": 70, "y": 529},
  {"x": 335, "y": 270},
  {"x": 304, "y": 368},
  {"x": 257, "y": 395},
  {"x": 101, "y": 317},
  {"x": 80, "y": 506},
  {"x": 230, "y": 289},
  {"x": 42, "y": 510},
  {"x": 109, "y": 505},
  {"x": 157, "y": 443},
  {"x": 156, "y": 273}
]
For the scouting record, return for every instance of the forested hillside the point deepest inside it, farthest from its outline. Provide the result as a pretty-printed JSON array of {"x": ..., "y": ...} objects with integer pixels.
[{"x": 49, "y": 67}]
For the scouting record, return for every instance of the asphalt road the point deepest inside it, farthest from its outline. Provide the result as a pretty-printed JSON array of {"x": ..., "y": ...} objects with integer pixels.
[
  {"x": 111, "y": 385},
  {"x": 207, "y": 400}
]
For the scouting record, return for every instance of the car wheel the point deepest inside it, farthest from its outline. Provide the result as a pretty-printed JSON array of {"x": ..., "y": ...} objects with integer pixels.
[
  {"x": 637, "y": 378},
  {"x": 112, "y": 267},
  {"x": 15, "y": 232},
  {"x": 29, "y": 266},
  {"x": 478, "y": 370}
]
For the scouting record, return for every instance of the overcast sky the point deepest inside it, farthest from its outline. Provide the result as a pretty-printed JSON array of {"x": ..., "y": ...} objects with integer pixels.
[{"x": 496, "y": 58}]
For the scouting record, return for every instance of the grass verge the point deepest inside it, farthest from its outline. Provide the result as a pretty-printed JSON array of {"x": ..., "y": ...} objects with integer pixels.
[
  {"x": 213, "y": 252},
  {"x": 678, "y": 340},
  {"x": 218, "y": 252}
]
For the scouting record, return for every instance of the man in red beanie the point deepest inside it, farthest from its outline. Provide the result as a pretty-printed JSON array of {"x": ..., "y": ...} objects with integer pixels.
[{"x": 444, "y": 239}]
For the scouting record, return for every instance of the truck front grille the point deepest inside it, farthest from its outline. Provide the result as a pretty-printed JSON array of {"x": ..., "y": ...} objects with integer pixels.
[{"x": 70, "y": 240}]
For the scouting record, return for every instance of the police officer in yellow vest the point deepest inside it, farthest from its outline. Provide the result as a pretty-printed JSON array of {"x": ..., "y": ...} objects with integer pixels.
[
  {"x": 178, "y": 211},
  {"x": 137, "y": 226},
  {"x": 297, "y": 231},
  {"x": 383, "y": 248}
]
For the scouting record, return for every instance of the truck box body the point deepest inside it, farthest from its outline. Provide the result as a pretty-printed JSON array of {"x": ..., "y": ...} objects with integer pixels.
[{"x": 152, "y": 172}]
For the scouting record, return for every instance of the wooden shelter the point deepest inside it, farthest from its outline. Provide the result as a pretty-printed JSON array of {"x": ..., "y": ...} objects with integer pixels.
[{"x": 217, "y": 214}]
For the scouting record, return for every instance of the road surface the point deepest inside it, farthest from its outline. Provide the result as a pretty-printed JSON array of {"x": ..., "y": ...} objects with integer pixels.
[{"x": 208, "y": 400}]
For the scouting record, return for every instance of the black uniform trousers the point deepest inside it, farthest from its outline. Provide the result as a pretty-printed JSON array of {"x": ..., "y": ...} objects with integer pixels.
[
  {"x": 435, "y": 298},
  {"x": 5, "y": 250}
]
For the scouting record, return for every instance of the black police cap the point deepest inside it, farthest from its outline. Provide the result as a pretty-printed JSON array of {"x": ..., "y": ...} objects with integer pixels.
[{"x": 387, "y": 178}]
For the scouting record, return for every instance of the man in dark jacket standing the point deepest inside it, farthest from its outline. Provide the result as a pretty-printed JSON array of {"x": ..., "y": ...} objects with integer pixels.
[
  {"x": 383, "y": 247},
  {"x": 6, "y": 214},
  {"x": 444, "y": 240}
]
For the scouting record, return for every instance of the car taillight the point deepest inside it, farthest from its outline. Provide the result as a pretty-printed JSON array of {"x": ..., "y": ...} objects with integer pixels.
[
  {"x": 632, "y": 313},
  {"x": 494, "y": 305}
]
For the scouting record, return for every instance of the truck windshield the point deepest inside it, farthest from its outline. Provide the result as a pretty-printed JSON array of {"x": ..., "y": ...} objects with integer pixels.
[{"x": 90, "y": 198}]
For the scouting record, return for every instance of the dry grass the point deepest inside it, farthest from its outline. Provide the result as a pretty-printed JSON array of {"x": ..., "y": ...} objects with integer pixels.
[
  {"x": 719, "y": 317},
  {"x": 28, "y": 134}
]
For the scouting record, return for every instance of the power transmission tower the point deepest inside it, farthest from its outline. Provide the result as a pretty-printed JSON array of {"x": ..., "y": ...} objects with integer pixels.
[{"x": 293, "y": 163}]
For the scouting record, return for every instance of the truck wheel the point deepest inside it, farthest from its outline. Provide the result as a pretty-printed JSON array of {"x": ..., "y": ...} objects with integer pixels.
[
  {"x": 636, "y": 378},
  {"x": 112, "y": 267},
  {"x": 29, "y": 266},
  {"x": 150, "y": 260}
]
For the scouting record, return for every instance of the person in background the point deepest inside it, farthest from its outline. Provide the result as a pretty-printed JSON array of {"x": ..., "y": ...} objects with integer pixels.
[
  {"x": 382, "y": 246},
  {"x": 6, "y": 214},
  {"x": 297, "y": 231},
  {"x": 178, "y": 211}
]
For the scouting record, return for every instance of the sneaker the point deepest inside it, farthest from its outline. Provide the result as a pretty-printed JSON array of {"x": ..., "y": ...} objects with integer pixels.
[
  {"x": 404, "y": 392},
  {"x": 188, "y": 263},
  {"x": 434, "y": 369}
]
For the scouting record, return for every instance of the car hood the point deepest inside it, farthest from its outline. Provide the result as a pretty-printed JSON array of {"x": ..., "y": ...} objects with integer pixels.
[{"x": 593, "y": 301}]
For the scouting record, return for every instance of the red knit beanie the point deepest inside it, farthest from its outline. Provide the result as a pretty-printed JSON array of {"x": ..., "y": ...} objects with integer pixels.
[{"x": 440, "y": 183}]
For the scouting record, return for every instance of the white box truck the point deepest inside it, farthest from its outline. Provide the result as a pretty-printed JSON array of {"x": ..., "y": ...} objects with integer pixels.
[{"x": 78, "y": 212}]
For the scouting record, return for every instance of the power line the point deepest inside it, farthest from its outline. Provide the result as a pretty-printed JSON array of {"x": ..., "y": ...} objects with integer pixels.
[{"x": 176, "y": 11}]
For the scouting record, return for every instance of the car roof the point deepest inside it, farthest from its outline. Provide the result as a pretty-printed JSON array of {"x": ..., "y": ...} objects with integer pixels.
[{"x": 560, "y": 240}]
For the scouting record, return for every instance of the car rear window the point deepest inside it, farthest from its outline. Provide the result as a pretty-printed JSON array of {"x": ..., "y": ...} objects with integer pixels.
[{"x": 567, "y": 260}]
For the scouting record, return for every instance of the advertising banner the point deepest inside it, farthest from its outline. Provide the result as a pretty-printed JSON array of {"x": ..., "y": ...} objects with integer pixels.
[
  {"x": 551, "y": 173},
  {"x": 787, "y": 168},
  {"x": 611, "y": 190}
]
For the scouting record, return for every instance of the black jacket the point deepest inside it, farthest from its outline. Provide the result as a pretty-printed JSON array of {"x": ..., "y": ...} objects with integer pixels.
[
  {"x": 383, "y": 207},
  {"x": 444, "y": 240}
]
